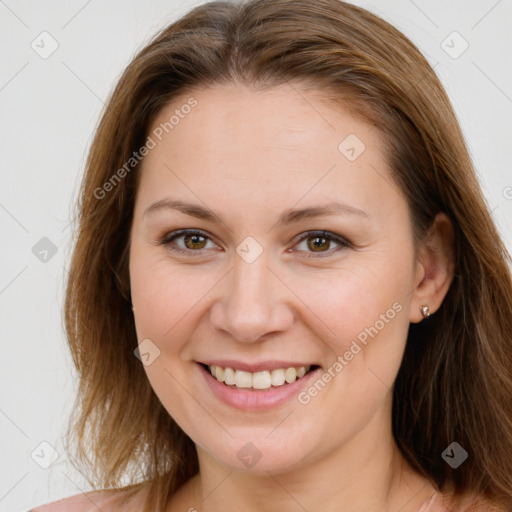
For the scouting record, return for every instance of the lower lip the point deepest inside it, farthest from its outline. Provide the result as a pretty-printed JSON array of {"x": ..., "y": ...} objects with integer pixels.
[{"x": 256, "y": 399}]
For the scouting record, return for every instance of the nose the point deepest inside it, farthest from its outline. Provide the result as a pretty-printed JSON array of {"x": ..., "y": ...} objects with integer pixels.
[{"x": 252, "y": 302}]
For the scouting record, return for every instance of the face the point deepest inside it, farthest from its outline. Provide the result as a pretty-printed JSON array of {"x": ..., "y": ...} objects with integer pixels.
[{"x": 289, "y": 248}]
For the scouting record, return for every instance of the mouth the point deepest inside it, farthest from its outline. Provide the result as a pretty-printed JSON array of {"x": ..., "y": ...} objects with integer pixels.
[
  {"x": 269, "y": 385},
  {"x": 260, "y": 380}
]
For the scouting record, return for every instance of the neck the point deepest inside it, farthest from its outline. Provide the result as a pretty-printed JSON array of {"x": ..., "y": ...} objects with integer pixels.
[{"x": 366, "y": 473}]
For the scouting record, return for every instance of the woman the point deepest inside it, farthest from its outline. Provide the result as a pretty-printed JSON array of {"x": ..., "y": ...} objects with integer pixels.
[{"x": 287, "y": 292}]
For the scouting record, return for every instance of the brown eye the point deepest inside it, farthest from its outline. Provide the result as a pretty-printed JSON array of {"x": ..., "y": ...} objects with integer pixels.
[
  {"x": 194, "y": 241},
  {"x": 187, "y": 242},
  {"x": 320, "y": 242}
]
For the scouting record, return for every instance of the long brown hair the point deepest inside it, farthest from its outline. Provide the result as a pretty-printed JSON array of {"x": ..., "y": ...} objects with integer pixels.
[{"x": 455, "y": 381}]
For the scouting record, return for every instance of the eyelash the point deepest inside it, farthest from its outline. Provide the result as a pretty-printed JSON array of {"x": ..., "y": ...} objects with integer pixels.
[{"x": 167, "y": 239}]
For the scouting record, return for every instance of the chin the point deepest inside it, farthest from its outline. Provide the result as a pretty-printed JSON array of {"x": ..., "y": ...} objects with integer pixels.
[{"x": 261, "y": 454}]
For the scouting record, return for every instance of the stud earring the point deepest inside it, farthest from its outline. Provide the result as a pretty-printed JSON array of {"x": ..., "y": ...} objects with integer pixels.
[
  {"x": 425, "y": 311},
  {"x": 133, "y": 309}
]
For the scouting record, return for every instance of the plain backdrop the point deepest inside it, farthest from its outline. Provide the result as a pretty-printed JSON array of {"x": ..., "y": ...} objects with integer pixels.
[{"x": 50, "y": 104}]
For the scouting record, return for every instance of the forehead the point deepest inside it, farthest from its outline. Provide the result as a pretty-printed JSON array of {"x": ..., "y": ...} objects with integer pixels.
[
  {"x": 233, "y": 117},
  {"x": 263, "y": 146}
]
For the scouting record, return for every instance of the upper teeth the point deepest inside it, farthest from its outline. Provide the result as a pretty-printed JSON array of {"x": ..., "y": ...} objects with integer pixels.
[{"x": 257, "y": 380}]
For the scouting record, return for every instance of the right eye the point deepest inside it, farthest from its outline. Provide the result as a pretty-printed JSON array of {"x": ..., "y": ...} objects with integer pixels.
[{"x": 194, "y": 241}]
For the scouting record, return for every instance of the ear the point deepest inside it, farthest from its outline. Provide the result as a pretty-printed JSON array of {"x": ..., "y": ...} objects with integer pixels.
[{"x": 434, "y": 268}]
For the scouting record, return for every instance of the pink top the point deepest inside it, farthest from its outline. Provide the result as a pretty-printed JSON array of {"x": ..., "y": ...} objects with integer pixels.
[
  {"x": 429, "y": 505},
  {"x": 470, "y": 504}
]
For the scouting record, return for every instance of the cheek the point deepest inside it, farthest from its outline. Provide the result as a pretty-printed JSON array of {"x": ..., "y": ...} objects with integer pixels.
[
  {"x": 166, "y": 303},
  {"x": 360, "y": 315},
  {"x": 360, "y": 312},
  {"x": 165, "y": 296},
  {"x": 345, "y": 301}
]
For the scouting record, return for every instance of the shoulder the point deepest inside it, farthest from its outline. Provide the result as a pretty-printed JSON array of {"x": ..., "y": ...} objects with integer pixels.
[
  {"x": 484, "y": 505},
  {"x": 85, "y": 502},
  {"x": 467, "y": 503}
]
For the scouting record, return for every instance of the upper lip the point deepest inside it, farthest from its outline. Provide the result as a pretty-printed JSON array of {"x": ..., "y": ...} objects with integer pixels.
[{"x": 255, "y": 367}]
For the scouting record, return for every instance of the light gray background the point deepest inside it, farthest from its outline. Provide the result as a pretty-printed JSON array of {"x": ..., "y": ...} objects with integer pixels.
[{"x": 49, "y": 108}]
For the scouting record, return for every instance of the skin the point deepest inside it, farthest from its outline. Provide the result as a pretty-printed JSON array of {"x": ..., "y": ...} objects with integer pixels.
[{"x": 248, "y": 156}]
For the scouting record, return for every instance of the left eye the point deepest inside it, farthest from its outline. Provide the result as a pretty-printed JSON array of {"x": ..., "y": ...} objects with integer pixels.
[
  {"x": 319, "y": 241},
  {"x": 194, "y": 241}
]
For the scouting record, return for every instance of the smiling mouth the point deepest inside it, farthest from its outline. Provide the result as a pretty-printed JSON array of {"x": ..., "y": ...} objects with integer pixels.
[{"x": 266, "y": 379}]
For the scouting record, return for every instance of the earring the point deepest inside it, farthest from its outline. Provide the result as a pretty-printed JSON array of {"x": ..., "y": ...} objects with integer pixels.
[
  {"x": 133, "y": 309},
  {"x": 425, "y": 311}
]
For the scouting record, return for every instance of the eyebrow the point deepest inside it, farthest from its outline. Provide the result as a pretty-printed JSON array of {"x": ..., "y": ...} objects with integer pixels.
[{"x": 287, "y": 217}]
